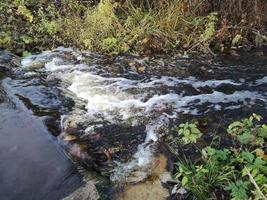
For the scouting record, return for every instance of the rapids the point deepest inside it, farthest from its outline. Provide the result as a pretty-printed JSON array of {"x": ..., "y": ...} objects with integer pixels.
[{"x": 111, "y": 113}]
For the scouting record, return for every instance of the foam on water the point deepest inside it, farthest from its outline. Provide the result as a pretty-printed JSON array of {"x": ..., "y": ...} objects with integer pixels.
[
  {"x": 109, "y": 96},
  {"x": 261, "y": 81}
]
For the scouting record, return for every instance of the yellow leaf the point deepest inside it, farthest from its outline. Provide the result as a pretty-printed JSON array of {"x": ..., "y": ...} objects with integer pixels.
[
  {"x": 260, "y": 153},
  {"x": 141, "y": 69},
  {"x": 70, "y": 138},
  {"x": 30, "y": 18},
  {"x": 145, "y": 40},
  {"x": 23, "y": 10}
]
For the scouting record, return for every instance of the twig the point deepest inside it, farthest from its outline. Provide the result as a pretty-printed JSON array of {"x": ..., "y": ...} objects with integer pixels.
[{"x": 255, "y": 184}]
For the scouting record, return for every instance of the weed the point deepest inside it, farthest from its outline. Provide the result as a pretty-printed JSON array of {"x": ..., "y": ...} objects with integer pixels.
[
  {"x": 189, "y": 132},
  {"x": 247, "y": 132},
  {"x": 239, "y": 170}
]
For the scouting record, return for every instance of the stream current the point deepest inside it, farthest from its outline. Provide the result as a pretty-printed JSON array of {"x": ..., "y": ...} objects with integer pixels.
[{"x": 111, "y": 113}]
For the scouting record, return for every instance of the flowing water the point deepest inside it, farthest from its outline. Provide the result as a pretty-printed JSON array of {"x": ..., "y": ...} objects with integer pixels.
[{"x": 111, "y": 113}]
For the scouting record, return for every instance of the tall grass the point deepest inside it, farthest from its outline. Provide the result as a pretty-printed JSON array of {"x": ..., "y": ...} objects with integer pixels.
[
  {"x": 129, "y": 26},
  {"x": 120, "y": 28}
]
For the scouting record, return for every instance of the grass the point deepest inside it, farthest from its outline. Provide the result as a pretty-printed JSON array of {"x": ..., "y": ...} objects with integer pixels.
[
  {"x": 130, "y": 26},
  {"x": 231, "y": 172}
]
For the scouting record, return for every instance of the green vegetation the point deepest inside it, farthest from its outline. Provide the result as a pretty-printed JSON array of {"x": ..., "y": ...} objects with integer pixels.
[
  {"x": 238, "y": 171},
  {"x": 130, "y": 26},
  {"x": 189, "y": 132}
]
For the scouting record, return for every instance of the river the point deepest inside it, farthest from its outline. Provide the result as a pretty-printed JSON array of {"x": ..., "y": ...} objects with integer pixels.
[{"x": 111, "y": 114}]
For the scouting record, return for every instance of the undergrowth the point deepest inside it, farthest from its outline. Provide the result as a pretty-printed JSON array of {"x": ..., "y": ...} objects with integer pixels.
[
  {"x": 116, "y": 27},
  {"x": 236, "y": 172}
]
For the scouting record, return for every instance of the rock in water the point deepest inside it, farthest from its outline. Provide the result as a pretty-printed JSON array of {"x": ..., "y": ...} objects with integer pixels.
[
  {"x": 9, "y": 61},
  {"x": 86, "y": 192}
]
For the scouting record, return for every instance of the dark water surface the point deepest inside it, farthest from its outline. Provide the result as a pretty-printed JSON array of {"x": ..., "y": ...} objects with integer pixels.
[{"x": 32, "y": 165}]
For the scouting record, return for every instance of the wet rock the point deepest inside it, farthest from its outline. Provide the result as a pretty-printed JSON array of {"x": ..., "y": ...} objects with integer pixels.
[
  {"x": 136, "y": 177},
  {"x": 9, "y": 60},
  {"x": 166, "y": 177},
  {"x": 137, "y": 67},
  {"x": 111, "y": 143},
  {"x": 86, "y": 192},
  {"x": 2, "y": 95},
  {"x": 178, "y": 190},
  {"x": 259, "y": 53},
  {"x": 151, "y": 188},
  {"x": 35, "y": 65}
]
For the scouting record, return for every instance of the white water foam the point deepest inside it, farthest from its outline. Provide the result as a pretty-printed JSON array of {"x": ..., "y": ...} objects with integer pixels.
[{"x": 261, "y": 81}]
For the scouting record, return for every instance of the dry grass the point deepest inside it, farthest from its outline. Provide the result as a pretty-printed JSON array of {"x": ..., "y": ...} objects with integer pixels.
[{"x": 132, "y": 26}]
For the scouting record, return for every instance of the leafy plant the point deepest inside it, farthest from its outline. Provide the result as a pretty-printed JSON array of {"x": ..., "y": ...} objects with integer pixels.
[
  {"x": 240, "y": 170},
  {"x": 189, "y": 132},
  {"x": 204, "y": 178},
  {"x": 238, "y": 190},
  {"x": 24, "y": 11},
  {"x": 110, "y": 45},
  {"x": 247, "y": 132}
]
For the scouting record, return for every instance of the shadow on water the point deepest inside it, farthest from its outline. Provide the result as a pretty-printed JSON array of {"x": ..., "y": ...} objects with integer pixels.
[{"x": 32, "y": 166}]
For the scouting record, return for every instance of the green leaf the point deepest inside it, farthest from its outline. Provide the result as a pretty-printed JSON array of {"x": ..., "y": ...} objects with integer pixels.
[
  {"x": 184, "y": 181},
  {"x": 192, "y": 126},
  {"x": 210, "y": 151},
  {"x": 222, "y": 155},
  {"x": 257, "y": 117},
  {"x": 261, "y": 179},
  {"x": 26, "y": 53},
  {"x": 247, "y": 156},
  {"x": 180, "y": 132},
  {"x": 237, "y": 39},
  {"x": 236, "y": 124},
  {"x": 186, "y": 132},
  {"x": 245, "y": 138},
  {"x": 195, "y": 130},
  {"x": 259, "y": 163},
  {"x": 238, "y": 190},
  {"x": 262, "y": 131},
  {"x": 181, "y": 125}
]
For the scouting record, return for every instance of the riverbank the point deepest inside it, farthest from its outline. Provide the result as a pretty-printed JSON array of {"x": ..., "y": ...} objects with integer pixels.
[{"x": 132, "y": 27}]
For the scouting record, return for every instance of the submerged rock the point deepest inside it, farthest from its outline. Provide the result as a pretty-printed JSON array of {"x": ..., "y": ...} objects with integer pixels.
[
  {"x": 151, "y": 188},
  {"x": 86, "y": 192}
]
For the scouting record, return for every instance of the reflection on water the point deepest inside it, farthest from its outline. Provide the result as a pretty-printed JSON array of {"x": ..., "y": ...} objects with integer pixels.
[{"x": 32, "y": 165}]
